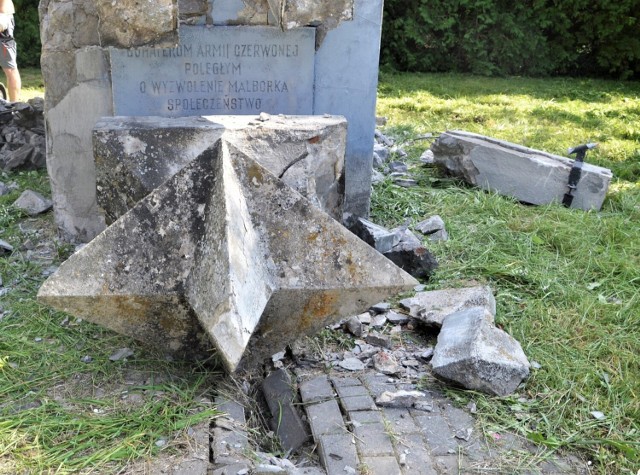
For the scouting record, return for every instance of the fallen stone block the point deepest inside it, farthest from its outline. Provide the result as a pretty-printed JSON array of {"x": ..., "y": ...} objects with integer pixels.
[
  {"x": 280, "y": 397},
  {"x": 223, "y": 255},
  {"x": 432, "y": 307},
  {"x": 33, "y": 203},
  {"x": 472, "y": 352},
  {"x": 529, "y": 175},
  {"x": 135, "y": 155},
  {"x": 380, "y": 238},
  {"x": 411, "y": 256}
]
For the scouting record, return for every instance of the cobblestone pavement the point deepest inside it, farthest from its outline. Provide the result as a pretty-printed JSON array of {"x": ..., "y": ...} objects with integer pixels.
[{"x": 351, "y": 434}]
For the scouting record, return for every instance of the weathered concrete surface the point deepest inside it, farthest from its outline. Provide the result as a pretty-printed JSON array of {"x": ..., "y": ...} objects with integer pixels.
[
  {"x": 136, "y": 155},
  {"x": 215, "y": 71},
  {"x": 526, "y": 174},
  {"x": 66, "y": 25},
  {"x": 346, "y": 84},
  {"x": 226, "y": 247},
  {"x": 75, "y": 66},
  {"x": 75, "y": 100},
  {"x": 434, "y": 306},
  {"x": 296, "y": 13},
  {"x": 472, "y": 352}
]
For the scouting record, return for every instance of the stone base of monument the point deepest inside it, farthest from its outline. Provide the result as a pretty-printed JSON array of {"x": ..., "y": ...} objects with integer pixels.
[
  {"x": 529, "y": 175},
  {"x": 224, "y": 256},
  {"x": 135, "y": 155}
]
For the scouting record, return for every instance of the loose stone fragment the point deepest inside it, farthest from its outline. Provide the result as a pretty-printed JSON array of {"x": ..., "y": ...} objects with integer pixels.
[
  {"x": 5, "y": 247},
  {"x": 33, "y": 203},
  {"x": 434, "y": 228},
  {"x": 433, "y": 306},
  {"x": 351, "y": 364},
  {"x": 376, "y": 236},
  {"x": 472, "y": 352},
  {"x": 399, "y": 398},
  {"x": 385, "y": 363},
  {"x": 410, "y": 255},
  {"x": 376, "y": 339},
  {"x": 121, "y": 354},
  {"x": 354, "y": 326},
  {"x": 529, "y": 175},
  {"x": 232, "y": 258}
]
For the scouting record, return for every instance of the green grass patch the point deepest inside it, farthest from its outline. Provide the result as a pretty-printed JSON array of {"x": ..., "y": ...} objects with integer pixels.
[
  {"x": 32, "y": 83},
  {"x": 566, "y": 281},
  {"x": 59, "y": 414}
]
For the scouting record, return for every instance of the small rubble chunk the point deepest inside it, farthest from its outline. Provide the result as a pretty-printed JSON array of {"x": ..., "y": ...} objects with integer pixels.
[
  {"x": 385, "y": 363},
  {"x": 434, "y": 228},
  {"x": 377, "y": 339},
  {"x": 411, "y": 256},
  {"x": 5, "y": 247},
  {"x": 121, "y": 354},
  {"x": 351, "y": 364},
  {"x": 400, "y": 398},
  {"x": 378, "y": 237},
  {"x": 432, "y": 307},
  {"x": 472, "y": 352},
  {"x": 33, "y": 203},
  {"x": 354, "y": 326}
]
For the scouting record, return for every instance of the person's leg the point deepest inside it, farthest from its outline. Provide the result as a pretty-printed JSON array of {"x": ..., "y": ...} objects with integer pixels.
[{"x": 14, "y": 83}]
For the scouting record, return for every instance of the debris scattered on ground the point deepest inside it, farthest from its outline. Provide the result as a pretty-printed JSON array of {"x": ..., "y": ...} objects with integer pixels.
[{"x": 23, "y": 135}]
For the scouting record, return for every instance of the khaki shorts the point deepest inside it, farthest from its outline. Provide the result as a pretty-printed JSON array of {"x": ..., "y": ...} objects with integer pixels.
[{"x": 8, "y": 49}]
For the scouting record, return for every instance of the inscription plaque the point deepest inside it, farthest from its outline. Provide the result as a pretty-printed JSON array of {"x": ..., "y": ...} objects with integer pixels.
[{"x": 218, "y": 70}]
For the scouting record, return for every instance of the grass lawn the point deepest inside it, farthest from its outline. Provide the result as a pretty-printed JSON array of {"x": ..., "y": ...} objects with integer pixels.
[{"x": 567, "y": 282}]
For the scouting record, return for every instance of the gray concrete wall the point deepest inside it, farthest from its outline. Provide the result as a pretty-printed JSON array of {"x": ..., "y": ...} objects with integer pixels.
[{"x": 76, "y": 68}]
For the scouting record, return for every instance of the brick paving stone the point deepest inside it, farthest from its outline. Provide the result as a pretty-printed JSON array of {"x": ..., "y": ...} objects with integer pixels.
[
  {"x": 229, "y": 435},
  {"x": 458, "y": 418},
  {"x": 438, "y": 434},
  {"x": 355, "y": 398},
  {"x": 416, "y": 454},
  {"x": 325, "y": 418},
  {"x": 400, "y": 421},
  {"x": 345, "y": 381},
  {"x": 337, "y": 451},
  {"x": 286, "y": 423},
  {"x": 371, "y": 434},
  {"x": 316, "y": 389},
  {"x": 231, "y": 408},
  {"x": 381, "y": 466}
]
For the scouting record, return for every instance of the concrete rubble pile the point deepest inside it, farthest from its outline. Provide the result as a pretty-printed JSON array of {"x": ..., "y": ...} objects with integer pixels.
[
  {"x": 367, "y": 404},
  {"x": 22, "y": 135}
]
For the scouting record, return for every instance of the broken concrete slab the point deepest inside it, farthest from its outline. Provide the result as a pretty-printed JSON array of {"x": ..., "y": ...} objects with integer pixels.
[
  {"x": 433, "y": 306},
  {"x": 410, "y": 255},
  {"x": 529, "y": 175},
  {"x": 286, "y": 423},
  {"x": 135, "y": 155},
  {"x": 472, "y": 352},
  {"x": 224, "y": 250},
  {"x": 378, "y": 237}
]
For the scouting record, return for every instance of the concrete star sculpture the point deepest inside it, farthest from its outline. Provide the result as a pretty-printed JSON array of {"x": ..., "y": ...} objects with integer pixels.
[{"x": 223, "y": 257}]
